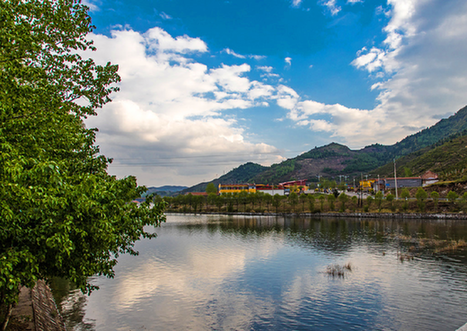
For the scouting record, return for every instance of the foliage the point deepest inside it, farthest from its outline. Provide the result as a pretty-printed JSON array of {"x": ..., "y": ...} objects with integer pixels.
[
  {"x": 379, "y": 200},
  {"x": 369, "y": 201},
  {"x": 421, "y": 196},
  {"x": 331, "y": 199},
  {"x": 293, "y": 199},
  {"x": 390, "y": 199},
  {"x": 452, "y": 196},
  {"x": 343, "y": 198},
  {"x": 405, "y": 194},
  {"x": 211, "y": 188},
  {"x": 435, "y": 196},
  {"x": 61, "y": 213}
]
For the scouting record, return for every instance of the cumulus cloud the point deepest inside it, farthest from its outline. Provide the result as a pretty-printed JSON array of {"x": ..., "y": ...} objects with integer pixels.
[
  {"x": 168, "y": 111},
  {"x": 421, "y": 62},
  {"x": 332, "y": 6},
  {"x": 288, "y": 61},
  {"x": 419, "y": 71},
  {"x": 296, "y": 3}
]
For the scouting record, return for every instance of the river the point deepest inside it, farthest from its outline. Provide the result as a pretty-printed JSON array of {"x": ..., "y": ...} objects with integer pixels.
[{"x": 275, "y": 273}]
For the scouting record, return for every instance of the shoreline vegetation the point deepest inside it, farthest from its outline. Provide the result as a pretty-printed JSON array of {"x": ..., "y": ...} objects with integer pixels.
[
  {"x": 415, "y": 204},
  {"x": 414, "y": 215}
]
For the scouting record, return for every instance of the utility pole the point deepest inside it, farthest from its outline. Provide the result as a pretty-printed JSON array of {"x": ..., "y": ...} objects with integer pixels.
[{"x": 395, "y": 177}]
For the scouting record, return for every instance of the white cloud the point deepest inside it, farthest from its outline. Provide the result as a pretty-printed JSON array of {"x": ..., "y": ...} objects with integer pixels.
[
  {"x": 165, "y": 16},
  {"x": 91, "y": 4},
  {"x": 421, "y": 60},
  {"x": 354, "y": 1},
  {"x": 296, "y": 3},
  {"x": 332, "y": 6},
  {"x": 288, "y": 60},
  {"x": 168, "y": 111},
  {"x": 420, "y": 70},
  {"x": 231, "y": 52}
]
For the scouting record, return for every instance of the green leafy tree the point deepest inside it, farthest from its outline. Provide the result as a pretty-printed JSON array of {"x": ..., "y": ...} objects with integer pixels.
[
  {"x": 354, "y": 202},
  {"x": 421, "y": 197},
  {"x": 311, "y": 202},
  {"x": 390, "y": 199},
  {"x": 293, "y": 200},
  {"x": 61, "y": 213},
  {"x": 369, "y": 201},
  {"x": 243, "y": 196},
  {"x": 212, "y": 197},
  {"x": 331, "y": 199},
  {"x": 303, "y": 198},
  {"x": 405, "y": 194},
  {"x": 321, "y": 198},
  {"x": 276, "y": 202},
  {"x": 267, "y": 199},
  {"x": 435, "y": 196},
  {"x": 219, "y": 202},
  {"x": 343, "y": 198},
  {"x": 211, "y": 188},
  {"x": 379, "y": 200},
  {"x": 452, "y": 197}
]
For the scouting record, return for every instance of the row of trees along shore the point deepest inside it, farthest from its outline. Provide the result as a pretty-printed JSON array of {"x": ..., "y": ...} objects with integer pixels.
[
  {"x": 61, "y": 213},
  {"x": 260, "y": 202}
]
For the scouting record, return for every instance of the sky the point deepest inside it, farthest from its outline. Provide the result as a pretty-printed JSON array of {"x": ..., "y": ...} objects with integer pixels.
[{"x": 210, "y": 85}]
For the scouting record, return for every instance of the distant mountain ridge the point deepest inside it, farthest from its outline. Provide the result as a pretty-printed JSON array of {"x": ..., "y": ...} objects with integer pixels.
[{"x": 335, "y": 160}]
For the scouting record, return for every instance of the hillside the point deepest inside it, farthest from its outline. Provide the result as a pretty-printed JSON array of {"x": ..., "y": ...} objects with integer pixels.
[
  {"x": 335, "y": 160},
  {"x": 449, "y": 159},
  {"x": 338, "y": 160},
  {"x": 242, "y": 174},
  {"x": 167, "y": 190}
]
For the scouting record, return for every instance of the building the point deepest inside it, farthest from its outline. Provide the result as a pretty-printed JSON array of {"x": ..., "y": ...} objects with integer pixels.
[
  {"x": 429, "y": 177},
  {"x": 403, "y": 182}
]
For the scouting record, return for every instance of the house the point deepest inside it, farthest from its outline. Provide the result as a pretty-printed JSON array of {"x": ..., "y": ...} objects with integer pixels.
[
  {"x": 403, "y": 182},
  {"x": 429, "y": 177}
]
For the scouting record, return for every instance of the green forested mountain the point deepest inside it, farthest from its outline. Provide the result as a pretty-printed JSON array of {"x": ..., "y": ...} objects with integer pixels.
[
  {"x": 335, "y": 160},
  {"x": 242, "y": 174},
  {"x": 447, "y": 158}
]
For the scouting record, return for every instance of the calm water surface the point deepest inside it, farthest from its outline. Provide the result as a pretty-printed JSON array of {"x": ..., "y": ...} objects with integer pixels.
[{"x": 269, "y": 273}]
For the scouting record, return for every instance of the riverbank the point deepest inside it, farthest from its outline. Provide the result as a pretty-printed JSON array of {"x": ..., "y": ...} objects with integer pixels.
[
  {"x": 36, "y": 311},
  {"x": 452, "y": 216}
]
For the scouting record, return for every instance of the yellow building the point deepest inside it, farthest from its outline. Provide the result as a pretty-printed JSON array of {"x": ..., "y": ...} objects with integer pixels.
[
  {"x": 236, "y": 188},
  {"x": 367, "y": 184}
]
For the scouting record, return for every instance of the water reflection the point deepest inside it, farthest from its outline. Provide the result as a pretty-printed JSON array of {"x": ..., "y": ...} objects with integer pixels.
[{"x": 262, "y": 273}]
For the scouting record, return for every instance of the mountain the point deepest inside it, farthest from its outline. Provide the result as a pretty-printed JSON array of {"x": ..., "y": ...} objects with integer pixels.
[
  {"x": 242, "y": 174},
  {"x": 447, "y": 158},
  {"x": 336, "y": 160},
  {"x": 167, "y": 190}
]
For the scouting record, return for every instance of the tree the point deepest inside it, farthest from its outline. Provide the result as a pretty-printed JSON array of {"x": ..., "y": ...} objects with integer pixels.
[
  {"x": 276, "y": 201},
  {"x": 268, "y": 199},
  {"x": 421, "y": 197},
  {"x": 61, "y": 213},
  {"x": 212, "y": 197},
  {"x": 405, "y": 194},
  {"x": 303, "y": 198},
  {"x": 311, "y": 203},
  {"x": 354, "y": 202},
  {"x": 321, "y": 198},
  {"x": 211, "y": 188},
  {"x": 343, "y": 198},
  {"x": 390, "y": 199},
  {"x": 293, "y": 200},
  {"x": 369, "y": 201},
  {"x": 331, "y": 198},
  {"x": 452, "y": 197},
  {"x": 435, "y": 196},
  {"x": 379, "y": 200}
]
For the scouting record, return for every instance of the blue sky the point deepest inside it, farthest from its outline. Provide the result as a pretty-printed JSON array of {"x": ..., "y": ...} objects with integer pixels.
[{"x": 209, "y": 85}]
